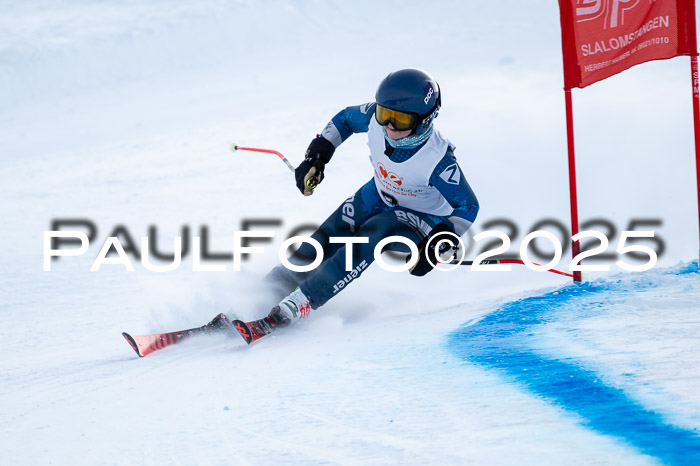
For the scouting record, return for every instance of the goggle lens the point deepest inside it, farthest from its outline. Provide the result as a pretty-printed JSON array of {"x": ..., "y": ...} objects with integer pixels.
[{"x": 400, "y": 120}]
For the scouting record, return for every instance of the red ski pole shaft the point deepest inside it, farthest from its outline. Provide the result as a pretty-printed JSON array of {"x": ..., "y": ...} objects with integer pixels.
[
  {"x": 311, "y": 183},
  {"x": 235, "y": 147}
]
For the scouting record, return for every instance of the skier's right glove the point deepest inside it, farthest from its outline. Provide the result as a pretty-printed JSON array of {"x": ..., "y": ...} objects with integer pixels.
[
  {"x": 446, "y": 252},
  {"x": 309, "y": 173}
]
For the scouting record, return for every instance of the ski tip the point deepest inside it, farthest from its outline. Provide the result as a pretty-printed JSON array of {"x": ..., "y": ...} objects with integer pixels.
[
  {"x": 234, "y": 147},
  {"x": 132, "y": 342},
  {"x": 243, "y": 330}
]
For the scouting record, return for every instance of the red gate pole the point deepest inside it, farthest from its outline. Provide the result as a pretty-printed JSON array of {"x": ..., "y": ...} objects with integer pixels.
[
  {"x": 575, "y": 246},
  {"x": 696, "y": 127}
]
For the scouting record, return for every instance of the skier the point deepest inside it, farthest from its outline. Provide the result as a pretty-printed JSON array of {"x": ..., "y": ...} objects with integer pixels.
[{"x": 418, "y": 191}]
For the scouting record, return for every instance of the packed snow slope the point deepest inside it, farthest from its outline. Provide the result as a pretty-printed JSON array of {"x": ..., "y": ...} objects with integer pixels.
[
  {"x": 122, "y": 113},
  {"x": 601, "y": 351}
]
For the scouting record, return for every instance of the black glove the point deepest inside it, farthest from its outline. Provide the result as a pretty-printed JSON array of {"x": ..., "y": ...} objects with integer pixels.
[
  {"x": 447, "y": 248},
  {"x": 309, "y": 173}
]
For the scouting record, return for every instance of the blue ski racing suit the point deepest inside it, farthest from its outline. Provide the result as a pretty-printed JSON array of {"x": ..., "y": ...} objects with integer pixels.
[{"x": 413, "y": 190}]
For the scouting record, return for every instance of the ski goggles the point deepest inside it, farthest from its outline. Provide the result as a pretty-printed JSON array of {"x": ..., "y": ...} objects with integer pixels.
[{"x": 401, "y": 121}]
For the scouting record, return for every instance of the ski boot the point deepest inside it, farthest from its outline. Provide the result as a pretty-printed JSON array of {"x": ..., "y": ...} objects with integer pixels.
[{"x": 290, "y": 310}]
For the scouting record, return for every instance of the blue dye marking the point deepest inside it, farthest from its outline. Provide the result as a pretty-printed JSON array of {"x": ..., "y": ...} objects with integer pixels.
[{"x": 500, "y": 341}]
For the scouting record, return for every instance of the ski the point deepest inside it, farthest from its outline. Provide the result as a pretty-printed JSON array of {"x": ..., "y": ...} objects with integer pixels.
[
  {"x": 254, "y": 330},
  {"x": 147, "y": 344}
]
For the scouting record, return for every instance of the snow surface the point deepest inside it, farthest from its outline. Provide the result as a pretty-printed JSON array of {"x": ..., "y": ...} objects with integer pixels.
[{"x": 122, "y": 113}]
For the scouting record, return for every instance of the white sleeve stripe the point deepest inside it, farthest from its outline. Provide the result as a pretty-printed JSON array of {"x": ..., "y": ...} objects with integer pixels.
[
  {"x": 461, "y": 225},
  {"x": 331, "y": 133}
]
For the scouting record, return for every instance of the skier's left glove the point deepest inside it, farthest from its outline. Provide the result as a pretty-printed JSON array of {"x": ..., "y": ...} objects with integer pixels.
[
  {"x": 309, "y": 173},
  {"x": 427, "y": 261}
]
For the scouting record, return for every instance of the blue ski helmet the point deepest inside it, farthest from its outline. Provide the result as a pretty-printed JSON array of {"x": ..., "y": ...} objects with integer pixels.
[{"x": 411, "y": 91}]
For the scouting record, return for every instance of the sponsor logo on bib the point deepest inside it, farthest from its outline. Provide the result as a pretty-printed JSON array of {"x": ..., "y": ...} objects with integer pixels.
[{"x": 391, "y": 176}]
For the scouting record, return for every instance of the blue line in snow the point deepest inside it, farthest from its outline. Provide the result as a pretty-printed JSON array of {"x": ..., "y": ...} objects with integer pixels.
[{"x": 501, "y": 341}]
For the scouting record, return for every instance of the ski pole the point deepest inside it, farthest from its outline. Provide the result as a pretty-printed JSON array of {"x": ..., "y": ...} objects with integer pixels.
[
  {"x": 235, "y": 148},
  {"x": 508, "y": 261},
  {"x": 311, "y": 183}
]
